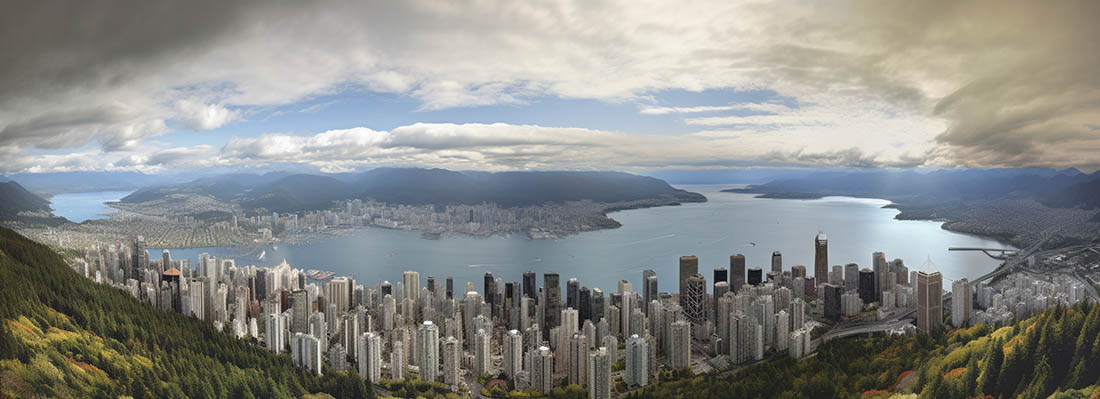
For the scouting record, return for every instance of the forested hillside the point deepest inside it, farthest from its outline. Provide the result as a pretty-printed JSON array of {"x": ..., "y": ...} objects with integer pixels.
[
  {"x": 64, "y": 336},
  {"x": 1055, "y": 354}
]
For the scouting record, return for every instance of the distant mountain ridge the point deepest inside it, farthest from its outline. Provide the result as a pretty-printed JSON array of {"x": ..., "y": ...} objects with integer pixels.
[
  {"x": 282, "y": 192},
  {"x": 1046, "y": 185},
  {"x": 15, "y": 199}
]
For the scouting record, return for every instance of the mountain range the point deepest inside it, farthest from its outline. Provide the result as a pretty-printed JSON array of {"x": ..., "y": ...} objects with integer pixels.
[
  {"x": 1055, "y": 188},
  {"x": 282, "y": 192}
]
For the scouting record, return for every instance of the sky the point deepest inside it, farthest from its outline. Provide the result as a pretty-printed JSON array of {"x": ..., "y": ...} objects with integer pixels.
[{"x": 336, "y": 86}]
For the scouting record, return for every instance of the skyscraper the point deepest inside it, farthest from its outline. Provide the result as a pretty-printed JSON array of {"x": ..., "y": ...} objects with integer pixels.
[
  {"x": 397, "y": 361},
  {"x": 572, "y": 294},
  {"x": 694, "y": 300},
  {"x": 512, "y": 351},
  {"x": 482, "y": 359},
  {"x": 755, "y": 276},
  {"x": 737, "y": 272},
  {"x": 960, "y": 302},
  {"x": 599, "y": 374},
  {"x": 649, "y": 285},
  {"x": 428, "y": 351},
  {"x": 490, "y": 289},
  {"x": 305, "y": 352},
  {"x": 721, "y": 274},
  {"x": 412, "y": 285},
  {"x": 300, "y": 309},
  {"x": 929, "y": 300},
  {"x": 777, "y": 262},
  {"x": 689, "y": 266},
  {"x": 680, "y": 340},
  {"x": 578, "y": 359},
  {"x": 452, "y": 352},
  {"x": 551, "y": 290},
  {"x": 450, "y": 287},
  {"x": 821, "y": 259},
  {"x": 851, "y": 277},
  {"x": 275, "y": 337},
  {"x": 832, "y": 301},
  {"x": 542, "y": 370},
  {"x": 370, "y": 357},
  {"x": 882, "y": 274},
  {"x": 867, "y": 285},
  {"x": 637, "y": 366},
  {"x": 529, "y": 284}
]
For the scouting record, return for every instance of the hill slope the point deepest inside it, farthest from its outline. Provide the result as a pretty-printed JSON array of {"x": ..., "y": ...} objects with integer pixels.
[
  {"x": 62, "y": 335},
  {"x": 1056, "y": 351},
  {"x": 14, "y": 199}
]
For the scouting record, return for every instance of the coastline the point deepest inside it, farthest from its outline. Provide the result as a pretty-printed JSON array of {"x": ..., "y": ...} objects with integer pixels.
[{"x": 1026, "y": 223}]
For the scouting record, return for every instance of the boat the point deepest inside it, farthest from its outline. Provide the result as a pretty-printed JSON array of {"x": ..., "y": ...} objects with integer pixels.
[{"x": 262, "y": 255}]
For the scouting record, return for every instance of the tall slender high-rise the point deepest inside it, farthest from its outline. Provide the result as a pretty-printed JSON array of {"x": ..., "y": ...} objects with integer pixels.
[
  {"x": 737, "y": 272},
  {"x": 490, "y": 289},
  {"x": 777, "y": 262},
  {"x": 300, "y": 309},
  {"x": 428, "y": 351},
  {"x": 649, "y": 286},
  {"x": 370, "y": 357},
  {"x": 397, "y": 361},
  {"x": 960, "y": 302},
  {"x": 599, "y": 374},
  {"x": 637, "y": 362},
  {"x": 452, "y": 353},
  {"x": 542, "y": 370},
  {"x": 821, "y": 259},
  {"x": 882, "y": 274},
  {"x": 512, "y": 351},
  {"x": 412, "y": 285},
  {"x": 572, "y": 294},
  {"x": 529, "y": 289},
  {"x": 694, "y": 300},
  {"x": 578, "y": 359},
  {"x": 929, "y": 300},
  {"x": 450, "y": 287},
  {"x": 551, "y": 290},
  {"x": 689, "y": 266},
  {"x": 482, "y": 359},
  {"x": 680, "y": 344}
]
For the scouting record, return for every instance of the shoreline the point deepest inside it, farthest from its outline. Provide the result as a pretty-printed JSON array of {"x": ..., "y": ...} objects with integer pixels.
[{"x": 905, "y": 213}]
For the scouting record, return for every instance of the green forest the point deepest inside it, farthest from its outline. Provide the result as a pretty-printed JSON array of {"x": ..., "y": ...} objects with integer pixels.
[
  {"x": 1055, "y": 354},
  {"x": 63, "y": 336}
]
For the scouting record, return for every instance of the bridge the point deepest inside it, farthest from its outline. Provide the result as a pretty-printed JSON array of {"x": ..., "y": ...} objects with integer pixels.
[{"x": 1004, "y": 253}]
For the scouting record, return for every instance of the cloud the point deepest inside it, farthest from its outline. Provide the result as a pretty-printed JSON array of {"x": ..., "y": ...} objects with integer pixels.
[
  {"x": 199, "y": 116},
  {"x": 985, "y": 83}
]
